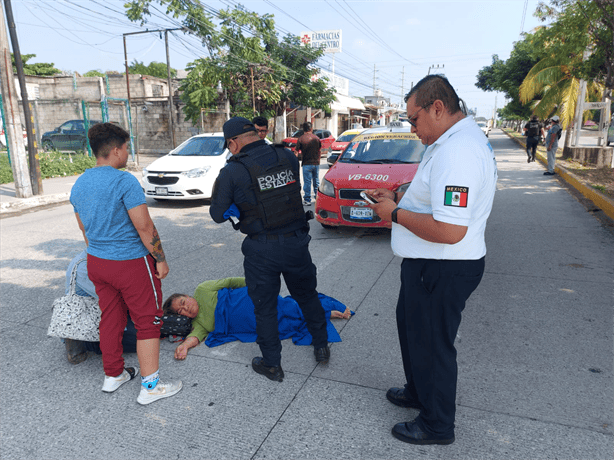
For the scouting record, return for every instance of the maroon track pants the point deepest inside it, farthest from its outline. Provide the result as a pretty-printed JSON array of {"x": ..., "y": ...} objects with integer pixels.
[{"x": 125, "y": 285}]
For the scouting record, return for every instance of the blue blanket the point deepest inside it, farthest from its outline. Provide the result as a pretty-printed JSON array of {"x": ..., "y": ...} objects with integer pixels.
[{"x": 235, "y": 319}]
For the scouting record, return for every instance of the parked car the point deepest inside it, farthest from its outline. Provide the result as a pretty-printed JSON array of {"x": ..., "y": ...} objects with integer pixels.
[
  {"x": 610, "y": 133},
  {"x": 325, "y": 137},
  {"x": 484, "y": 127},
  {"x": 385, "y": 157},
  {"x": 70, "y": 135},
  {"x": 187, "y": 172},
  {"x": 340, "y": 144}
]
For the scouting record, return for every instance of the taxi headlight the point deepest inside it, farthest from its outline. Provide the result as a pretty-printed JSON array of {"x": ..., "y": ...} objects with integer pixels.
[
  {"x": 327, "y": 188},
  {"x": 403, "y": 188},
  {"x": 145, "y": 172},
  {"x": 197, "y": 172}
]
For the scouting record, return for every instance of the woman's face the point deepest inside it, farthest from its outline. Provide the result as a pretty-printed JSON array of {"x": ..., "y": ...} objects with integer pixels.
[{"x": 186, "y": 306}]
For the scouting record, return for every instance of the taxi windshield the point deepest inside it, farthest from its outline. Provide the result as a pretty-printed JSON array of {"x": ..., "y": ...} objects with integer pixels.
[
  {"x": 201, "y": 146},
  {"x": 346, "y": 137},
  {"x": 383, "y": 150}
]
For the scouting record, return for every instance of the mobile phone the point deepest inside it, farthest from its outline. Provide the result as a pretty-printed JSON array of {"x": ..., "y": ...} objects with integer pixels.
[{"x": 368, "y": 197}]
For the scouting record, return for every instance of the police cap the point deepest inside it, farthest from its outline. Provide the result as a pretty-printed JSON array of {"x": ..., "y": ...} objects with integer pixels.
[{"x": 235, "y": 127}]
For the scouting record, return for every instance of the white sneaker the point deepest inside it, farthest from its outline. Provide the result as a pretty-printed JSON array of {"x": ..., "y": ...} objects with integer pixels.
[
  {"x": 113, "y": 383},
  {"x": 162, "y": 390}
]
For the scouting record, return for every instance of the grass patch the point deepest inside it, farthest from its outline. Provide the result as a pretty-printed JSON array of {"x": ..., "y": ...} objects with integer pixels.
[{"x": 52, "y": 164}]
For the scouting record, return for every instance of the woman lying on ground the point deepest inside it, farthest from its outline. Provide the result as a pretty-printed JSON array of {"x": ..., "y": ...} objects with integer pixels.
[{"x": 225, "y": 304}]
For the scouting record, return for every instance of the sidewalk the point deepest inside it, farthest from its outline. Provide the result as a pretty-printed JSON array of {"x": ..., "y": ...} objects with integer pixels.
[
  {"x": 56, "y": 190},
  {"x": 603, "y": 202}
]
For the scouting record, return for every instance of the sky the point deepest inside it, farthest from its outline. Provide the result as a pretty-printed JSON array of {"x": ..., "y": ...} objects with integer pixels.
[{"x": 391, "y": 44}]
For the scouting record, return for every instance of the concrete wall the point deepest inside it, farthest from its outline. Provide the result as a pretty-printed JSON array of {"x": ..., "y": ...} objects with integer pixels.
[
  {"x": 601, "y": 157},
  {"x": 93, "y": 88},
  {"x": 150, "y": 127},
  {"x": 55, "y": 100}
]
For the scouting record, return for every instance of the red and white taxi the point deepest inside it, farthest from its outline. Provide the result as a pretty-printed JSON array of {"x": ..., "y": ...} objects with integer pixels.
[
  {"x": 385, "y": 157},
  {"x": 340, "y": 144}
]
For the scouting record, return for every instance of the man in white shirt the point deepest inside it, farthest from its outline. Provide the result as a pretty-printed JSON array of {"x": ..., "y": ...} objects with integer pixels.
[{"x": 438, "y": 229}]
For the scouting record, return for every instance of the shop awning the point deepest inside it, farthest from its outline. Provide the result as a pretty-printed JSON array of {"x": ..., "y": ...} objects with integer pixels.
[{"x": 345, "y": 103}]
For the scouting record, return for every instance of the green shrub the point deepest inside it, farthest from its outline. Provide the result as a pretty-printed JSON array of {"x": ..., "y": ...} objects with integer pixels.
[
  {"x": 52, "y": 164},
  {"x": 6, "y": 174}
]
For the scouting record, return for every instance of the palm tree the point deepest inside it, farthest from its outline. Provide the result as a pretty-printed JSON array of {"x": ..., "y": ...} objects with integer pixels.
[{"x": 551, "y": 80}]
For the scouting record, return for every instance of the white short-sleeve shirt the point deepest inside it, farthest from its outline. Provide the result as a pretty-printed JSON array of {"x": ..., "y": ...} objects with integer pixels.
[{"x": 456, "y": 183}]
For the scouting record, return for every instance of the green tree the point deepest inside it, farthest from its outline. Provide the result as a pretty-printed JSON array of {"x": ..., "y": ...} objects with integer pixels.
[
  {"x": 578, "y": 45},
  {"x": 507, "y": 76},
  {"x": 579, "y": 26},
  {"x": 245, "y": 44},
  {"x": 154, "y": 69},
  {"x": 43, "y": 69},
  {"x": 94, "y": 73},
  {"x": 552, "y": 88}
]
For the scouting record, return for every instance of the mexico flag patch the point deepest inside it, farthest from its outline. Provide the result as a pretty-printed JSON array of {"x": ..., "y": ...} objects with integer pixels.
[{"x": 456, "y": 196}]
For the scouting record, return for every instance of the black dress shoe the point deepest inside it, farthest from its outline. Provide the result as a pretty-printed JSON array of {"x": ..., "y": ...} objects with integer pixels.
[
  {"x": 274, "y": 373},
  {"x": 397, "y": 397},
  {"x": 410, "y": 432},
  {"x": 322, "y": 354}
]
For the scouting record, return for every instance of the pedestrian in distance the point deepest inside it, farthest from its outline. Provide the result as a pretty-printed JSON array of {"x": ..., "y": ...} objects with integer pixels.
[
  {"x": 552, "y": 144},
  {"x": 262, "y": 127},
  {"x": 438, "y": 229},
  {"x": 308, "y": 146},
  {"x": 261, "y": 181},
  {"x": 125, "y": 261},
  {"x": 534, "y": 132}
]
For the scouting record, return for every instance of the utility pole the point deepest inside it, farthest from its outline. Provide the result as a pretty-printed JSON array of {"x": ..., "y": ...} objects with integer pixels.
[
  {"x": 14, "y": 137},
  {"x": 35, "y": 170},
  {"x": 374, "y": 79},
  {"x": 168, "y": 74},
  {"x": 251, "y": 70},
  {"x": 435, "y": 67},
  {"x": 403, "y": 83},
  {"x": 170, "y": 91}
]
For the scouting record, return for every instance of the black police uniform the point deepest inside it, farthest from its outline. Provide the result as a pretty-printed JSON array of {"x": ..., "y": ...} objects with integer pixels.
[
  {"x": 262, "y": 181},
  {"x": 534, "y": 129}
]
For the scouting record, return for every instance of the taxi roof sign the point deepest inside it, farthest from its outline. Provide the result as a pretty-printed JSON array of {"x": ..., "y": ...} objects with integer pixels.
[{"x": 386, "y": 135}]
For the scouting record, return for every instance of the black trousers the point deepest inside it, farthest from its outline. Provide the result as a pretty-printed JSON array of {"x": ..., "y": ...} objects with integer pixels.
[
  {"x": 532, "y": 143},
  {"x": 265, "y": 261},
  {"x": 433, "y": 295}
]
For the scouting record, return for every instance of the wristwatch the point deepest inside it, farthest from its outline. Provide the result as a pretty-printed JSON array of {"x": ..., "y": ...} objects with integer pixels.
[{"x": 393, "y": 216}]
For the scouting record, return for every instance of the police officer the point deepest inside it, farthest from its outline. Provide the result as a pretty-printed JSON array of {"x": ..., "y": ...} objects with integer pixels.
[
  {"x": 533, "y": 130},
  {"x": 261, "y": 181}
]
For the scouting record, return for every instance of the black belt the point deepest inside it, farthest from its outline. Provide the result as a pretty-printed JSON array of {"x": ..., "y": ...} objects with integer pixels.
[{"x": 275, "y": 237}]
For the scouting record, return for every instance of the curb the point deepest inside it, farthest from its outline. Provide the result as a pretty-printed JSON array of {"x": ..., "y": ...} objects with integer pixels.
[
  {"x": 28, "y": 203},
  {"x": 603, "y": 202}
]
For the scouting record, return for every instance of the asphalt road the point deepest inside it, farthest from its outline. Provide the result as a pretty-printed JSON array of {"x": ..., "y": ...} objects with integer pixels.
[{"x": 534, "y": 349}]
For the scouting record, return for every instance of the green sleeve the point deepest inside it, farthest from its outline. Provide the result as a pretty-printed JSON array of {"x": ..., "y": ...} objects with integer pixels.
[{"x": 206, "y": 297}]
